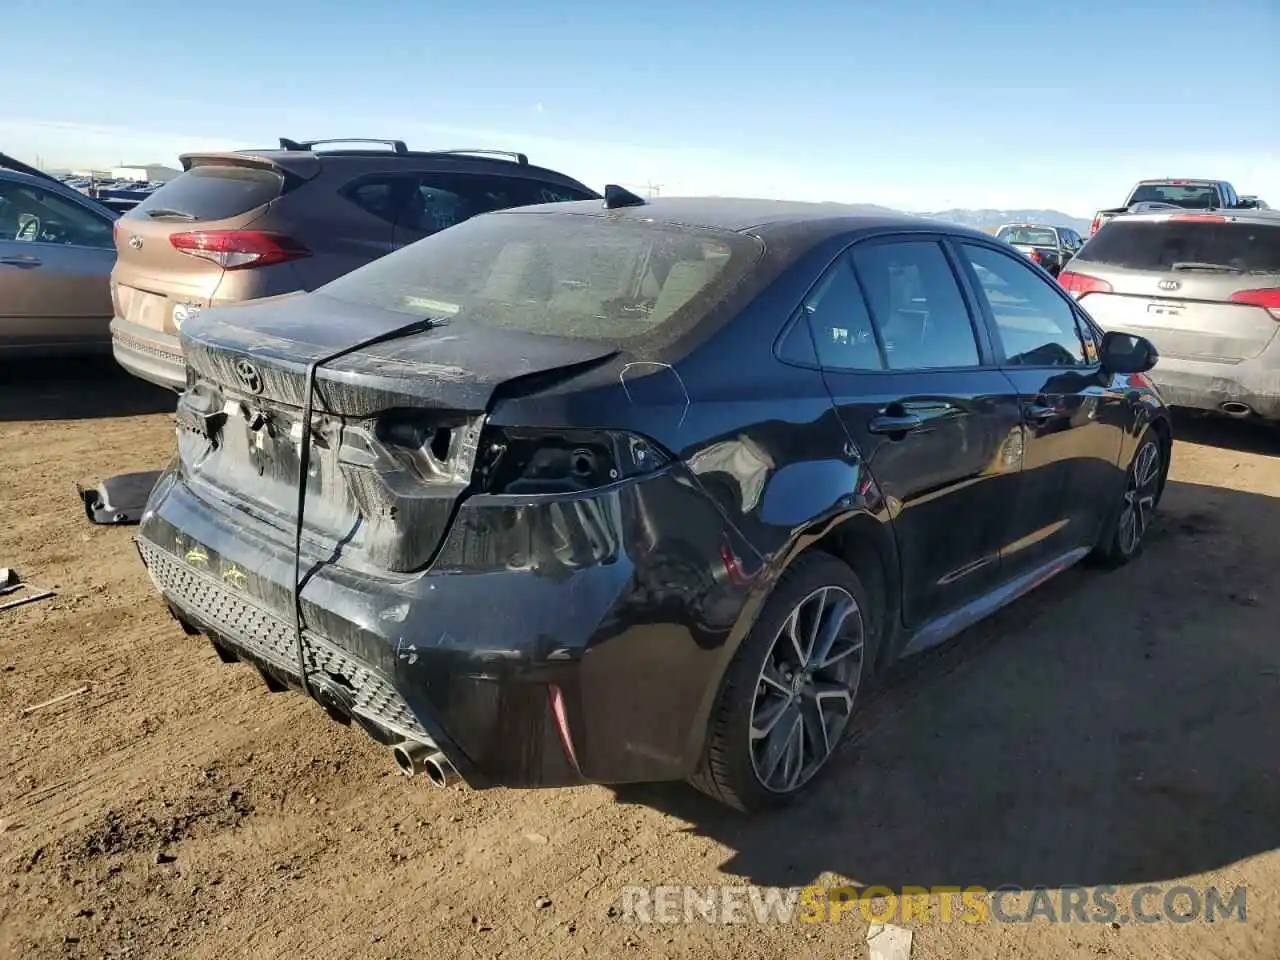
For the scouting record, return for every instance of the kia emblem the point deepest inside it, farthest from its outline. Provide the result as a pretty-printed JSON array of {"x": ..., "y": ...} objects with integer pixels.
[{"x": 1169, "y": 284}]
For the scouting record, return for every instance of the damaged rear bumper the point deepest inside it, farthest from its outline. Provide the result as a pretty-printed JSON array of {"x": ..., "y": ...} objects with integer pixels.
[
  {"x": 552, "y": 641},
  {"x": 1209, "y": 385}
]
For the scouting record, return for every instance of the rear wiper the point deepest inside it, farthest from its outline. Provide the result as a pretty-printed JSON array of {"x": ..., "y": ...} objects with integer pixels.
[
  {"x": 1197, "y": 265},
  {"x": 156, "y": 213}
]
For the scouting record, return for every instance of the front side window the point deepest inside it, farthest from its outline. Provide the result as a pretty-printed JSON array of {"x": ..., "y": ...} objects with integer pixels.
[
  {"x": 33, "y": 215},
  {"x": 916, "y": 305},
  {"x": 1037, "y": 325}
]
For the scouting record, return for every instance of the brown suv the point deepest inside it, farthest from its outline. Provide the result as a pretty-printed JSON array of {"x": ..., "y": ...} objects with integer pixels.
[{"x": 259, "y": 223}]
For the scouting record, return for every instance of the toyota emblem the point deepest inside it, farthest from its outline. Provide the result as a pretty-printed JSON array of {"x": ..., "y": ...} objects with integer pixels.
[
  {"x": 135, "y": 242},
  {"x": 1169, "y": 284},
  {"x": 248, "y": 376}
]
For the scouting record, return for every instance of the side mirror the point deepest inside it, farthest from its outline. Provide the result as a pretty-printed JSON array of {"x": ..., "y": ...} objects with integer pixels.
[{"x": 1127, "y": 353}]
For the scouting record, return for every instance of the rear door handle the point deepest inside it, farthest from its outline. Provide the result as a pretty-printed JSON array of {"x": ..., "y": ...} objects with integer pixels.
[
  {"x": 891, "y": 425},
  {"x": 21, "y": 261}
]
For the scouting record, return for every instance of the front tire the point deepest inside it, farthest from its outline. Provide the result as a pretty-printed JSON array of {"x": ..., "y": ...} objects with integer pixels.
[
  {"x": 792, "y": 687},
  {"x": 1125, "y": 534}
]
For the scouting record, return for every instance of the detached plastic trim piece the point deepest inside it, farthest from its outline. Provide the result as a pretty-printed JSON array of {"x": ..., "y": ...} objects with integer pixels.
[{"x": 118, "y": 499}]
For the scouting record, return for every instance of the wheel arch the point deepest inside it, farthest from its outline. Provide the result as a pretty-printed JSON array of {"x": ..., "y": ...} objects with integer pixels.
[{"x": 859, "y": 538}]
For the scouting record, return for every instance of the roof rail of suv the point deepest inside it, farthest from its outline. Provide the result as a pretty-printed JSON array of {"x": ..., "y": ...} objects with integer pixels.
[
  {"x": 397, "y": 146},
  {"x": 519, "y": 158},
  {"x": 9, "y": 163}
]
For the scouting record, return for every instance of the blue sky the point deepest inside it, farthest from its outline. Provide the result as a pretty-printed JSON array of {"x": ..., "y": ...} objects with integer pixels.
[{"x": 922, "y": 107}]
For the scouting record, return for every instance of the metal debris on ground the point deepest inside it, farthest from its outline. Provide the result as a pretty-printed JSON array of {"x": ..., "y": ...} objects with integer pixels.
[
  {"x": 49, "y": 703},
  {"x": 30, "y": 598},
  {"x": 10, "y": 583}
]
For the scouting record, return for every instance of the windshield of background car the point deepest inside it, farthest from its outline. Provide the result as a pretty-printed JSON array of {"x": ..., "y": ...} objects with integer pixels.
[
  {"x": 1159, "y": 244},
  {"x": 1191, "y": 196},
  {"x": 588, "y": 277},
  {"x": 213, "y": 192},
  {"x": 1028, "y": 235}
]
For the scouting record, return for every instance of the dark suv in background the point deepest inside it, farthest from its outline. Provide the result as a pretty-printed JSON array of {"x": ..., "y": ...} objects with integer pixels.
[{"x": 258, "y": 223}]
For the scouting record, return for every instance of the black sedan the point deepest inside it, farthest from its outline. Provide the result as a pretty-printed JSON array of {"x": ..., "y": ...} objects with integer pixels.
[{"x": 635, "y": 491}]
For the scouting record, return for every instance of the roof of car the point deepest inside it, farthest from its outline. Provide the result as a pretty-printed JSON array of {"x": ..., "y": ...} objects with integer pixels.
[
  {"x": 815, "y": 221},
  {"x": 303, "y": 158}
]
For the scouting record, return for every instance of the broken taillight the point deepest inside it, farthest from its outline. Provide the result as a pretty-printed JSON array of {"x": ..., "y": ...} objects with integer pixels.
[{"x": 514, "y": 460}]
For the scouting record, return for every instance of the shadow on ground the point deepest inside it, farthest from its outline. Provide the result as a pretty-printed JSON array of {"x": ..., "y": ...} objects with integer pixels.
[
  {"x": 1111, "y": 728},
  {"x": 82, "y": 388},
  {"x": 1246, "y": 436}
]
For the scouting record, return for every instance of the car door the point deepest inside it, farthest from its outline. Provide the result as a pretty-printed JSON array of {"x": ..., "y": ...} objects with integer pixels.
[
  {"x": 930, "y": 414},
  {"x": 1073, "y": 422},
  {"x": 55, "y": 267}
]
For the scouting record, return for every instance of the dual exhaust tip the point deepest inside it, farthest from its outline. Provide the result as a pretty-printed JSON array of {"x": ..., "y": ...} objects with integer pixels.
[{"x": 415, "y": 758}]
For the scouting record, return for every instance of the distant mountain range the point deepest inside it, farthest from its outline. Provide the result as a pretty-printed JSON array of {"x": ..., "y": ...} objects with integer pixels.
[
  {"x": 990, "y": 219},
  {"x": 987, "y": 220}
]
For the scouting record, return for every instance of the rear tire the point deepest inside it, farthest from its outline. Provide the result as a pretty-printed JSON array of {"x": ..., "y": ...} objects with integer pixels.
[
  {"x": 792, "y": 687},
  {"x": 1125, "y": 534}
]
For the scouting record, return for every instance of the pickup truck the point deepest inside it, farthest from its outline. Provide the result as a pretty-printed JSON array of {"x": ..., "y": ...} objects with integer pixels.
[
  {"x": 1188, "y": 194},
  {"x": 1050, "y": 247}
]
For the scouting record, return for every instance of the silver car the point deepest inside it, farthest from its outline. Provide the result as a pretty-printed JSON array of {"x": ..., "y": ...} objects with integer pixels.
[
  {"x": 1205, "y": 289},
  {"x": 56, "y": 255}
]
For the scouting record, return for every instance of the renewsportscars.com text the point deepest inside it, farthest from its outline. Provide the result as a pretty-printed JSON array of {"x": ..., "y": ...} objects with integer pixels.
[{"x": 1151, "y": 903}]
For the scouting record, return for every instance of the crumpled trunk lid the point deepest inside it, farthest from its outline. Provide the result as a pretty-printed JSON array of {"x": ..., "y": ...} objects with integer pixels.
[{"x": 394, "y": 430}]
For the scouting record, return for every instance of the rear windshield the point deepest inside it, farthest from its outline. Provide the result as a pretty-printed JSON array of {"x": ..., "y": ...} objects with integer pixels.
[
  {"x": 1159, "y": 245},
  {"x": 212, "y": 192},
  {"x": 589, "y": 277},
  {"x": 1192, "y": 196},
  {"x": 1035, "y": 236}
]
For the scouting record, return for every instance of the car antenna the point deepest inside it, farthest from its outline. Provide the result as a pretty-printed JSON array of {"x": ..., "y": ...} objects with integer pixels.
[{"x": 616, "y": 197}]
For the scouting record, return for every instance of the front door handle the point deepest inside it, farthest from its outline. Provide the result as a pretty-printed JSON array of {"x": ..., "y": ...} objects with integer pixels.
[
  {"x": 23, "y": 261},
  {"x": 902, "y": 425},
  {"x": 1039, "y": 413}
]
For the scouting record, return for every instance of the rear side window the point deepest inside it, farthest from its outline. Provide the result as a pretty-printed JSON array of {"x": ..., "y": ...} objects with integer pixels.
[
  {"x": 841, "y": 326},
  {"x": 1164, "y": 244},
  {"x": 214, "y": 192},
  {"x": 916, "y": 305},
  {"x": 442, "y": 200},
  {"x": 378, "y": 197}
]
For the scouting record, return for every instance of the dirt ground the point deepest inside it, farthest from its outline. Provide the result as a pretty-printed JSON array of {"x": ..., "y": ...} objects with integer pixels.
[{"x": 1114, "y": 728}]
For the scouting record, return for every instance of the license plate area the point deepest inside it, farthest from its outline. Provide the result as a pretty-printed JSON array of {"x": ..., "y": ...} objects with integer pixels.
[
  {"x": 149, "y": 310},
  {"x": 1165, "y": 309}
]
